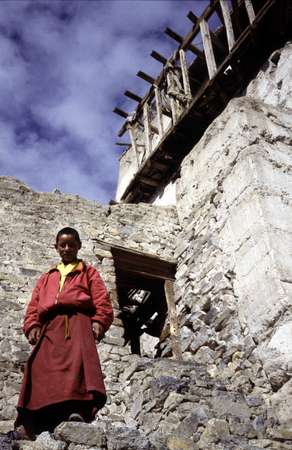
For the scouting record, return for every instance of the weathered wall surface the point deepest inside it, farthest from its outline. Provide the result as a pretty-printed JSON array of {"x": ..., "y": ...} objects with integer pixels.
[
  {"x": 273, "y": 84},
  {"x": 235, "y": 266}
]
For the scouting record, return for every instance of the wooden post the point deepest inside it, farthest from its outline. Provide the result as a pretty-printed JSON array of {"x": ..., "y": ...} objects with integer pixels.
[
  {"x": 173, "y": 320},
  {"x": 133, "y": 143},
  {"x": 159, "y": 111},
  {"x": 208, "y": 48},
  {"x": 249, "y": 10},
  {"x": 185, "y": 74},
  {"x": 147, "y": 135},
  {"x": 227, "y": 23},
  {"x": 172, "y": 100}
]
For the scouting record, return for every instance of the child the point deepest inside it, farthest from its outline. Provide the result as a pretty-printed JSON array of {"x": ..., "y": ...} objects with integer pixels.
[{"x": 69, "y": 309}]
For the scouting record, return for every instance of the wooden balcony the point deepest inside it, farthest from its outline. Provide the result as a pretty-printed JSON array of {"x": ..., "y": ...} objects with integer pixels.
[{"x": 195, "y": 85}]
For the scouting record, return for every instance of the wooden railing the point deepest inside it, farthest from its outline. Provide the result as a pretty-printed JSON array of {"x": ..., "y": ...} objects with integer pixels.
[{"x": 204, "y": 52}]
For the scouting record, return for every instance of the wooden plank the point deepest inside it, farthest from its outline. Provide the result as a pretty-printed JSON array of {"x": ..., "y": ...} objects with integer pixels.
[
  {"x": 159, "y": 111},
  {"x": 120, "y": 112},
  {"x": 133, "y": 96},
  {"x": 158, "y": 57},
  {"x": 178, "y": 38},
  {"x": 249, "y": 10},
  {"x": 128, "y": 260},
  {"x": 149, "y": 181},
  {"x": 185, "y": 74},
  {"x": 209, "y": 53},
  {"x": 173, "y": 107},
  {"x": 147, "y": 136},
  {"x": 158, "y": 165},
  {"x": 173, "y": 320},
  {"x": 193, "y": 18},
  {"x": 145, "y": 77},
  {"x": 227, "y": 23},
  {"x": 195, "y": 50}
]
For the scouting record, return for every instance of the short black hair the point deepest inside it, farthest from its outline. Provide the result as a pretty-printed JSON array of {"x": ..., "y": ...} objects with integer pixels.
[{"x": 71, "y": 231}]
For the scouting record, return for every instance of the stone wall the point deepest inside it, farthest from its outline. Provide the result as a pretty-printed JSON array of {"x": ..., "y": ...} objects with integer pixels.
[
  {"x": 29, "y": 222},
  {"x": 234, "y": 273}
]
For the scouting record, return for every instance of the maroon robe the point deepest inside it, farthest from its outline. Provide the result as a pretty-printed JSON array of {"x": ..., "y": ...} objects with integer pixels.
[{"x": 63, "y": 373}]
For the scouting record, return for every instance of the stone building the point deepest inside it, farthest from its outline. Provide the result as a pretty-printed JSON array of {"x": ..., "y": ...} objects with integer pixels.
[{"x": 194, "y": 251}]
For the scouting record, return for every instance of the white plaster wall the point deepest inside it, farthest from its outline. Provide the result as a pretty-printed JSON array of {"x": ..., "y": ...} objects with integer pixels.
[
  {"x": 243, "y": 166},
  {"x": 273, "y": 84},
  {"x": 168, "y": 196},
  {"x": 128, "y": 168}
]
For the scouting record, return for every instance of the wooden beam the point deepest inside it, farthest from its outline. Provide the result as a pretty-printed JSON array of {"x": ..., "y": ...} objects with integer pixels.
[
  {"x": 121, "y": 112},
  {"x": 249, "y": 10},
  {"x": 185, "y": 74},
  {"x": 173, "y": 320},
  {"x": 158, "y": 102},
  {"x": 133, "y": 96},
  {"x": 158, "y": 57},
  {"x": 227, "y": 23},
  {"x": 134, "y": 262},
  {"x": 145, "y": 77},
  {"x": 123, "y": 144},
  {"x": 173, "y": 105},
  {"x": 149, "y": 181},
  {"x": 209, "y": 53},
  {"x": 177, "y": 37},
  {"x": 147, "y": 137},
  {"x": 158, "y": 165},
  {"x": 195, "y": 50},
  {"x": 192, "y": 17}
]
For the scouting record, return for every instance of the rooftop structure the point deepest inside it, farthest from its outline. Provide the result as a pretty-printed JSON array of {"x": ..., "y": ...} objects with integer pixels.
[{"x": 213, "y": 63}]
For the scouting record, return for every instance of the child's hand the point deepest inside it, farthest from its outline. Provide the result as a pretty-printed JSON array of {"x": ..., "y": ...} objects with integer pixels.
[
  {"x": 34, "y": 335},
  {"x": 98, "y": 331}
]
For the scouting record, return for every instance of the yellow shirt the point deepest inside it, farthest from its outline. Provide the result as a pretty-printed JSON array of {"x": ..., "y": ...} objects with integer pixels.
[{"x": 64, "y": 270}]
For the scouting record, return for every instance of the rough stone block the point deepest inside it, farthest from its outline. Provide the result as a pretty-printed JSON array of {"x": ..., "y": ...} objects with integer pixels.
[
  {"x": 81, "y": 433},
  {"x": 125, "y": 438}
]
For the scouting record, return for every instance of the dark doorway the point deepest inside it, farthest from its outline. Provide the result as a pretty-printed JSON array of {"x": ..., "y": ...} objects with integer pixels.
[{"x": 140, "y": 286}]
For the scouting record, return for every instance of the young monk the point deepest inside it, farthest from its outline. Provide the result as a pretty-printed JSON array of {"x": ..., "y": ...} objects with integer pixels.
[{"x": 69, "y": 309}]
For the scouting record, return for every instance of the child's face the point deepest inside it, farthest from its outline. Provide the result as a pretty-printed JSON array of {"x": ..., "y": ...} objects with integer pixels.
[{"x": 67, "y": 247}]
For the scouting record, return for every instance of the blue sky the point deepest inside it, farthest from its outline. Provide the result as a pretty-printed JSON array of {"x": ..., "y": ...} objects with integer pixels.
[{"x": 64, "y": 66}]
